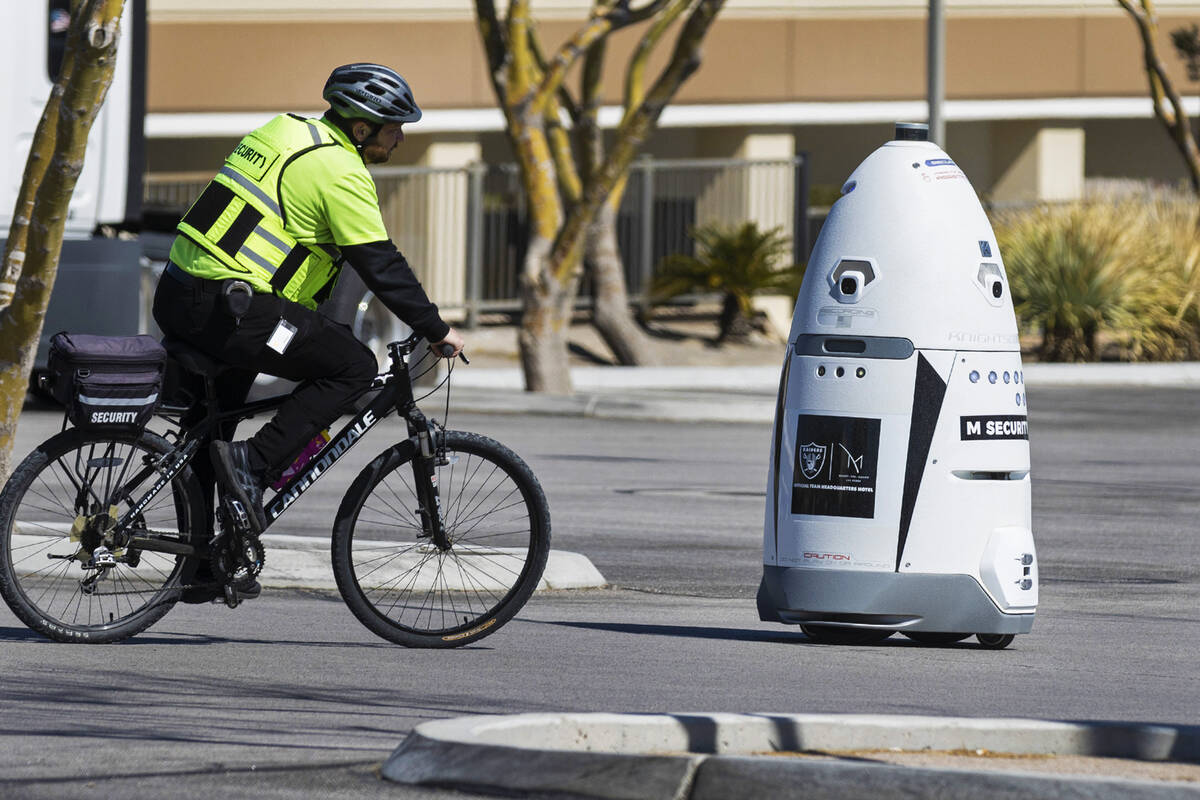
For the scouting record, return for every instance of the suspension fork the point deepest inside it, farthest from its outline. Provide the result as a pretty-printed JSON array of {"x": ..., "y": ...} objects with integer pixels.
[{"x": 430, "y": 454}]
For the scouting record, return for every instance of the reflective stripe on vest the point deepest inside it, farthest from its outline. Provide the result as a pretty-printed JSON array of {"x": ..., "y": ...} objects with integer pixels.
[{"x": 238, "y": 218}]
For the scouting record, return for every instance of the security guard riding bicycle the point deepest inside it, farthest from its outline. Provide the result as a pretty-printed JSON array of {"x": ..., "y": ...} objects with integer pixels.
[{"x": 263, "y": 246}]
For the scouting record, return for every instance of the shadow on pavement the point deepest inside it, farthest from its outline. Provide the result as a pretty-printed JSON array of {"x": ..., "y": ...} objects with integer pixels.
[
  {"x": 14, "y": 634},
  {"x": 685, "y": 631}
]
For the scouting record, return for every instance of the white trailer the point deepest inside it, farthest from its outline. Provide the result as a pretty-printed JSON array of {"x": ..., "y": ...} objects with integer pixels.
[{"x": 99, "y": 286}]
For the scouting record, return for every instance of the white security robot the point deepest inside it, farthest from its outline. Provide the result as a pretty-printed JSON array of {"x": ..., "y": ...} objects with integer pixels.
[{"x": 898, "y": 493}]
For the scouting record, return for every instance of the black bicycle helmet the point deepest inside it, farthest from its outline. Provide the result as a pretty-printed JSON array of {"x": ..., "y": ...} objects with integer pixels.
[{"x": 372, "y": 92}]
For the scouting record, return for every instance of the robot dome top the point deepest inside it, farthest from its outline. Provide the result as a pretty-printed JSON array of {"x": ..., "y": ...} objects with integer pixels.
[{"x": 907, "y": 251}]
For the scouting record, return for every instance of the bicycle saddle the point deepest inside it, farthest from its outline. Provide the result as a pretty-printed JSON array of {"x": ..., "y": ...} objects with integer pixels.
[{"x": 192, "y": 359}]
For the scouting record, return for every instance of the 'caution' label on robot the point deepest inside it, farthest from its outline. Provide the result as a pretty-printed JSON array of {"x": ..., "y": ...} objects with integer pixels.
[{"x": 836, "y": 462}]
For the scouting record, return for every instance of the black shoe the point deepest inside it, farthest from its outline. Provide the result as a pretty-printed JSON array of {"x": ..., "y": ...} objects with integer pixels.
[
  {"x": 208, "y": 594},
  {"x": 249, "y": 590},
  {"x": 231, "y": 462},
  {"x": 196, "y": 595}
]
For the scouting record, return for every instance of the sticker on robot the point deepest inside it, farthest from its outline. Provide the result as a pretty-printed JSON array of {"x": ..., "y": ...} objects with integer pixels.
[
  {"x": 993, "y": 428},
  {"x": 835, "y": 469},
  {"x": 847, "y": 317},
  {"x": 830, "y": 557},
  {"x": 812, "y": 459}
]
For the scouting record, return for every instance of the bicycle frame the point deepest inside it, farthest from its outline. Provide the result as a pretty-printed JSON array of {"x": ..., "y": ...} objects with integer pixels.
[{"x": 396, "y": 395}]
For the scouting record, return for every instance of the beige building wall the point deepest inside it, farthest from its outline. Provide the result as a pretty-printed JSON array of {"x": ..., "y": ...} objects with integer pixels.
[
  {"x": 221, "y": 56},
  {"x": 248, "y": 66}
]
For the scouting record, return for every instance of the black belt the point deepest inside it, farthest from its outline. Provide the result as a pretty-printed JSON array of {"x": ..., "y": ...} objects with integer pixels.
[{"x": 191, "y": 281}]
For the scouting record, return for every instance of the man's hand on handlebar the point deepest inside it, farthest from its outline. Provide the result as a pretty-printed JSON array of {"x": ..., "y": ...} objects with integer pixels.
[{"x": 451, "y": 346}]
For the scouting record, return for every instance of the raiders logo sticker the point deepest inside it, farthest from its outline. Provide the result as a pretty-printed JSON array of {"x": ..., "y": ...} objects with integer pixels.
[{"x": 836, "y": 462}]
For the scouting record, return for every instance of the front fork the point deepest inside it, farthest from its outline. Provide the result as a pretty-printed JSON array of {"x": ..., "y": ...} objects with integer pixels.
[{"x": 431, "y": 454}]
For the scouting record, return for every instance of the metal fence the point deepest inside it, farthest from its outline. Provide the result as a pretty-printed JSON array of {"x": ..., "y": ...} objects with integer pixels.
[{"x": 465, "y": 232}]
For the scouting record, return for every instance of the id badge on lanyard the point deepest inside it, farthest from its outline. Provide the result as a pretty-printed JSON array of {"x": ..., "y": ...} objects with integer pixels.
[{"x": 282, "y": 336}]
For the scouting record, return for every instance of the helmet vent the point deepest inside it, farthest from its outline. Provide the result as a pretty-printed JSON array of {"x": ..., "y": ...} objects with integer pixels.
[{"x": 372, "y": 92}]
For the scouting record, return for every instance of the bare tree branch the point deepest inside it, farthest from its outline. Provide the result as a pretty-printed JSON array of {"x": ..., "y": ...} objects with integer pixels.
[
  {"x": 1162, "y": 90},
  {"x": 635, "y": 75},
  {"x": 556, "y": 69},
  {"x": 566, "y": 101},
  {"x": 603, "y": 21},
  {"x": 523, "y": 74},
  {"x": 632, "y": 131},
  {"x": 587, "y": 126},
  {"x": 568, "y": 179},
  {"x": 632, "y": 16},
  {"x": 564, "y": 157},
  {"x": 492, "y": 33}
]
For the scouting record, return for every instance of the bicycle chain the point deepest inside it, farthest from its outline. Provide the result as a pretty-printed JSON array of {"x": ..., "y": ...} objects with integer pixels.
[{"x": 262, "y": 559}]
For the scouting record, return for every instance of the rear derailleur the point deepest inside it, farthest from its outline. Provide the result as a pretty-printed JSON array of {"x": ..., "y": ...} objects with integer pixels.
[{"x": 100, "y": 549}]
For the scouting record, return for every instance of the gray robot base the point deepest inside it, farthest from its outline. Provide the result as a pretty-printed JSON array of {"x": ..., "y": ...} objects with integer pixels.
[{"x": 854, "y": 607}]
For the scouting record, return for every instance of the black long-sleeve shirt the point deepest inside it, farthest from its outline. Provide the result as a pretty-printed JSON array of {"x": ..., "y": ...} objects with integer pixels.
[{"x": 386, "y": 272}]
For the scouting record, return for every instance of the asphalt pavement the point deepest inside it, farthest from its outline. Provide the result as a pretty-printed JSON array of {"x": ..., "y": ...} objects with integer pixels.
[{"x": 288, "y": 696}]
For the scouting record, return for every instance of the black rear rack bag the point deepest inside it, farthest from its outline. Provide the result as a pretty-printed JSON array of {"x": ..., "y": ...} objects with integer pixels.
[{"x": 106, "y": 382}]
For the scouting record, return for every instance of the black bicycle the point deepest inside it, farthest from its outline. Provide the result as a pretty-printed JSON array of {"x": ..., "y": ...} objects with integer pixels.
[{"x": 438, "y": 542}]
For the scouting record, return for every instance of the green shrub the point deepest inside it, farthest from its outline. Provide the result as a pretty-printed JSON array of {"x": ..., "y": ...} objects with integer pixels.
[
  {"x": 1117, "y": 269},
  {"x": 1177, "y": 217},
  {"x": 739, "y": 263}
]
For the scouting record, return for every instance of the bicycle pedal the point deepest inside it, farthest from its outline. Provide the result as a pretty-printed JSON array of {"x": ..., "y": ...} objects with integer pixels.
[{"x": 238, "y": 514}]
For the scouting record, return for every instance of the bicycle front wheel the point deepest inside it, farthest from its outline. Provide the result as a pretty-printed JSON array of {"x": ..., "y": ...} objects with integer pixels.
[
  {"x": 65, "y": 569},
  {"x": 404, "y": 587}
]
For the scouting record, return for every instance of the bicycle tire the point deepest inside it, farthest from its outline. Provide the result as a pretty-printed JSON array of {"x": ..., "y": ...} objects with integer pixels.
[
  {"x": 71, "y": 478},
  {"x": 498, "y": 524}
]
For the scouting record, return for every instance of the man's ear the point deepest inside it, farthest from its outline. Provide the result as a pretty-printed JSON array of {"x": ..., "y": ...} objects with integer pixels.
[{"x": 361, "y": 131}]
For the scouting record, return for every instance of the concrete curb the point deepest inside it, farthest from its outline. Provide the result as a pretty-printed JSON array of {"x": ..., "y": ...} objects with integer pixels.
[
  {"x": 732, "y": 394},
  {"x": 702, "y": 756},
  {"x": 630, "y": 405},
  {"x": 766, "y": 378},
  {"x": 304, "y": 562}
]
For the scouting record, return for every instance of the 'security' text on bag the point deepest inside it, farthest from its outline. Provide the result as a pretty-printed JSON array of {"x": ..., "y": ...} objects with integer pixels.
[{"x": 106, "y": 381}]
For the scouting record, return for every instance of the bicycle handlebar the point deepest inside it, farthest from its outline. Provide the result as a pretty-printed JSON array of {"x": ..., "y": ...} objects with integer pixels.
[
  {"x": 447, "y": 351},
  {"x": 407, "y": 346}
]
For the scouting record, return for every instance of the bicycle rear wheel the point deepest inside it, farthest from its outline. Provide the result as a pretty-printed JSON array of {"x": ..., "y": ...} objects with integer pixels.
[
  {"x": 409, "y": 591},
  {"x": 61, "y": 505}
]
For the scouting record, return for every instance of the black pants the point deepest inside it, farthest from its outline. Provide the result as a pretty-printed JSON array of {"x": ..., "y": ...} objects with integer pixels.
[{"x": 332, "y": 366}]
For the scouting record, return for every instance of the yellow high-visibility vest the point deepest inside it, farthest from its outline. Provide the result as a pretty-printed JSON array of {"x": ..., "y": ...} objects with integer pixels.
[{"x": 240, "y": 222}]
